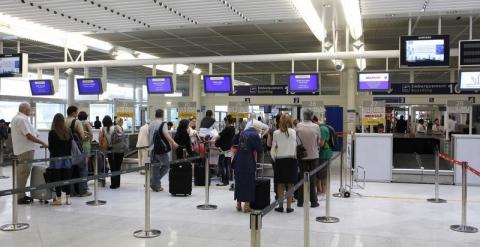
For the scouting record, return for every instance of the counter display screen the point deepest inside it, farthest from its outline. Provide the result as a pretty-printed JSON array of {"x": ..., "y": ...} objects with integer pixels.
[
  {"x": 431, "y": 50},
  {"x": 217, "y": 84},
  {"x": 41, "y": 87},
  {"x": 470, "y": 80},
  {"x": 160, "y": 85},
  {"x": 10, "y": 65},
  {"x": 303, "y": 83},
  {"x": 373, "y": 82},
  {"x": 90, "y": 86}
]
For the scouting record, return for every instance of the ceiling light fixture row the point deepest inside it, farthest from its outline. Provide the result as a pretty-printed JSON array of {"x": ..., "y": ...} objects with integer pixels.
[
  {"x": 175, "y": 12},
  {"x": 69, "y": 17},
  {"x": 236, "y": 11},
  {"x": 425, "y": 4},
  {"x": 107, "y": 9}
]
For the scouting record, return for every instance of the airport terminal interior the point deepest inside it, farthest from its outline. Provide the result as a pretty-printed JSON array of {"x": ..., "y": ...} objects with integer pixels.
[{"x": 235, "y": 123}]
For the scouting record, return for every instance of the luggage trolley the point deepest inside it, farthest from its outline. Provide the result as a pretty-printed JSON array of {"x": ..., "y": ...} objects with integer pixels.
[{"x": 354, "y": 176}]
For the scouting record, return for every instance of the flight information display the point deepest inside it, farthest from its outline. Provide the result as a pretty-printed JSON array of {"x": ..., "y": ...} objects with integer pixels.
[
  {"x": 217, "y": 84},
  {"x": 470, "y": 80},
  {"x": 429, "y": 50},
  {"x": 160, "y": 85},
  {"x": 89, "y": 86},
  {"x": 303, "y": 82},
  {"x": 42, "y": 87},
  {"x": 373, "y": 82},
  {"x": 10, "y": 65}
]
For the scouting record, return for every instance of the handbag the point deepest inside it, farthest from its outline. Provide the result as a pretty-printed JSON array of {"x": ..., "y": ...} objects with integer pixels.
[
  {"x": 103, "y": 142},
  {"x": 301, "y": 151},
  {"x": 76, "y": 153}
]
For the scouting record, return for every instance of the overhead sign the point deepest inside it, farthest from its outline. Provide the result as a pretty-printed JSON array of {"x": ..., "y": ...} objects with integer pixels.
[
  {"x": 238, "y": 109},
  {"x": 391, "y": 100},
  {"x": 373, "y": 113},
  {"x": 469, "y": 53},
  {"x": 316, "y": 106},
  {"x": 459, "y": 106},
  {"x": 187, "y": 109},
  {"x": 424, "y": 88},
  {"x": 124, "y": 109},
  {"x": 266, "y": 90}
]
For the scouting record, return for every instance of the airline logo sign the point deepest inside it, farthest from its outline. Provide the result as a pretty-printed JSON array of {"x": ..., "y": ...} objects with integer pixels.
[
  {"x": 187, "y": 109},
  {"x": 373, "y": 113},
  {"x": 124, "y": 110}
]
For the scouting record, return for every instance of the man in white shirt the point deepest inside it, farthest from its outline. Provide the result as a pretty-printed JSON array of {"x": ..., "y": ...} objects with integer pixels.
[
  {"x": 142, "y": 146},
  {"x": 24, "y": 138},
  {"x": 253, "y": 120},
  {"x": 451, "y": 124}
]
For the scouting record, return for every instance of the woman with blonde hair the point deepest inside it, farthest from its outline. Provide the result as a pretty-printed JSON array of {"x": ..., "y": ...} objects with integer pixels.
[
  {"x": 284, "y": 153},
  {"x": 59, "y": 145}
]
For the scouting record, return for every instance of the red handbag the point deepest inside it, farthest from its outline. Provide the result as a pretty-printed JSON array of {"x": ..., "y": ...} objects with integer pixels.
[{"x": 199, "y": 148}]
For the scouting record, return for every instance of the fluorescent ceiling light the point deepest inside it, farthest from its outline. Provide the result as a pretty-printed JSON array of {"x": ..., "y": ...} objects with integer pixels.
[
  {"x": 173, "y": 95},
  {"x": 351, "y": 10},
  {"x": 309, "y": 14}
]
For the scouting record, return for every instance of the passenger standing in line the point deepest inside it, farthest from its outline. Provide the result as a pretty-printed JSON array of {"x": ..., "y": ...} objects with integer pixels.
[
  {"x": 24, "y": 138},
  {"x": 142, "y": 146},
  {"x": 161, "y": 161},
  {"x": 192, "y": 130},
  {"x": 284, "y": 153},
  {"x": 182, "y": 138},
  {"x": 97, "y": 124},
  {"x": 60, "y": 144},
  {"x": 245, "y": 166},
  {"x": 225, "y": 141},
  {"x": 269, "y": 148},
  {"x": 88, "y": 133},
  {"x": 325, "y": 154},
  {"x": 116, "y": 152},
  {"x": 252, "y": 120},
  {"x": 207, "y": 126},
  {"x": 170, "y": 126},
  {"x": 401, "y": 126},
  {"x": 78, "y": 170},
  {"x": 308, "y": 135}
]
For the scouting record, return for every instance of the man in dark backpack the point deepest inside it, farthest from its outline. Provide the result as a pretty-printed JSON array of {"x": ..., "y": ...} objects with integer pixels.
[
  {"x": 161, "y": 144},
  {"x": 78, "y": 170}
]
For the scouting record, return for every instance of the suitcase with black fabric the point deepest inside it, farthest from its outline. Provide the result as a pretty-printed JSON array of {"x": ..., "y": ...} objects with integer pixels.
[
  {"x": 199, "y": 174},
  {"x": 180, "y": 179},
  {"x": 262, "y": 194},
  {"x": 38, "y": 178}
]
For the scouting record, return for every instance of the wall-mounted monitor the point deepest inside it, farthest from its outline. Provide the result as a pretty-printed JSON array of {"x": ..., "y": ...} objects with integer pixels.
[
  {"x": 303, "y": 82},
  {"x": 159, "y": 85},
  {"x": 217, "y": 83},
  {"x": 89, "y": 86},
  {"x": 42, "y": 87},
  {"x": 424, "y": 51},
  {"x": 469, "y": 80},
  {"x": 12, "y": 65},
  {"x": 373, "y": 81},
  {"x": 469, "y": 53}
]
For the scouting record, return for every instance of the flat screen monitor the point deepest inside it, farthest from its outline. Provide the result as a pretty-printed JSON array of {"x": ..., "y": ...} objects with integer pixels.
[
  {"x": 303, "y": 83},
  {"x": 159, "y": 85},
  {"x": 11, "y": 65},
  {"x": 217, "y": 83},
  {"x": 373, "y": 81},
  {"x": 470, "y": 80},
  {"x": 425, "y": 51},
  {"x": 89, "y": 86},
  {"x": 42, "y": 87}
]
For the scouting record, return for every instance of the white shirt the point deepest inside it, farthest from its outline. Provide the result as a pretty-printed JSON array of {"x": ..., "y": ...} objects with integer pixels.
[
  {"x": 193, "y": 134},
  {"x": 421, "y": 128},
  {"x": 284, "y": 146},
  {"x": 251, "y": 121},
  {"x": 436, "y": 128},
  {"x": 142, "y": 140},
  {"x": 21, "y": 126},
  {"x": 451, "y": 125}
]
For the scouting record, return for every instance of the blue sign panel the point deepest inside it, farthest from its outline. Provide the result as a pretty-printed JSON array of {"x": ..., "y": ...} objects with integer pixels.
[
  {"x": 391, "y": 100},
  {"x": 424, "y": 88},
  {"x": 266, "y": 90}
]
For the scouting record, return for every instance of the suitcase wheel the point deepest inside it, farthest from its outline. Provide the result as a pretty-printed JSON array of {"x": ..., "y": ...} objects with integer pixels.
[{"x": 346, "y": 194}]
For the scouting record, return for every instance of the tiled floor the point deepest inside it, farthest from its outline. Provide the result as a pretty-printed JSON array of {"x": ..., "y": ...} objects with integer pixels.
[{"x": 394, "y": 215}]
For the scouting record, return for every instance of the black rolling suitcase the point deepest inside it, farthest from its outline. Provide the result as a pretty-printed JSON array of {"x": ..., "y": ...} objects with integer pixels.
[
  {"x": 180, "y": 179},
  {"x": 262, "y": 194},
  {"x": 199, "y": 174}
]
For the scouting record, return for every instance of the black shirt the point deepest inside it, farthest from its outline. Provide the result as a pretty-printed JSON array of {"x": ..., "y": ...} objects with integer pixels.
[
  {"x": 183, "y": 140},
  {"x": 207, "y": 122},
  {"x": 57, "y": 146},
  {"x": 97, "y": 125},
  {"x": 226, "y": 138},
  {"x": 401, "y": 126}
]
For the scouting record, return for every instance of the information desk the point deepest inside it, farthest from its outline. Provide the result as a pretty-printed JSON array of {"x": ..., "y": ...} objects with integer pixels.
[
  {"x": 373, "y": 152},
  {"x": 414, "y": 159},
  {"x": 466, "y": 148}
]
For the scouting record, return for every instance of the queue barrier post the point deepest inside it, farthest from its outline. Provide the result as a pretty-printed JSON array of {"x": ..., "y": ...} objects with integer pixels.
[
  {"x": 255, "y": 229},
  {"x": 327, "y": 218},
  {"x": 207, "y": 205},
  {"x": 464, "y": 227},
  {"x": 306, "y": 211},
  {"x": 147, "y": 232},
  {"x": 437, "y": 178},
  {"x": 342, "y": 191},
  {"x": 95, "y": 201},
  {"x": 14, "y": 226}
]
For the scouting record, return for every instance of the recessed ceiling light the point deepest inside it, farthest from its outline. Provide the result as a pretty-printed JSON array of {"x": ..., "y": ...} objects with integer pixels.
[{"x": 327, "y": 5}]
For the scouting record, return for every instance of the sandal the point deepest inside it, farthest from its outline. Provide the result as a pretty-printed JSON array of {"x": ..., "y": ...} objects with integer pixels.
[
  {"x": 57, "y": 202},
  {"x": 280, "y": 209}
]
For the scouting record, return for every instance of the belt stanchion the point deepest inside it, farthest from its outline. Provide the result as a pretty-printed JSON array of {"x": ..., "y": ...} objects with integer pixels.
[
  {"x": 95, "y": 201},
  {"x": 306, "y": 211},
  {"x": 207, "y": 205},
  {"x": 147, "y": 232},
  {"x": 255, "y": 229},
  {"x": 464, "y": 227},
  {"x": 327, "y": 218},
  {"x": 14, "y": 226},
  {"x": 437, "y": 178}
]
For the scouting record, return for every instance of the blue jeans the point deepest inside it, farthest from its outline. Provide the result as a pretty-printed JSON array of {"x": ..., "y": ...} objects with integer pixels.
[{"x": 160, "y": 166}]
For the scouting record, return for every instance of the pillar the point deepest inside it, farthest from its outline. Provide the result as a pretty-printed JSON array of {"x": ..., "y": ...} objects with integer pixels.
[
  {"x": 195, "y": 91},
  {"x": 71, "y": 89},
  {"x": 349, "y": 76}
]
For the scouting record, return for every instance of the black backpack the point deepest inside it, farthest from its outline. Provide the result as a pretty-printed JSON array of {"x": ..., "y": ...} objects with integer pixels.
[
  {"x": 160, "y": 142},
  {"x": 332, "y": 140},
  {"x": 76, "y": 136}
]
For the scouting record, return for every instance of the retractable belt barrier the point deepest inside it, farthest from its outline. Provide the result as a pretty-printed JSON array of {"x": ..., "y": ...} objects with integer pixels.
[{"x": 459, "y": 163}]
